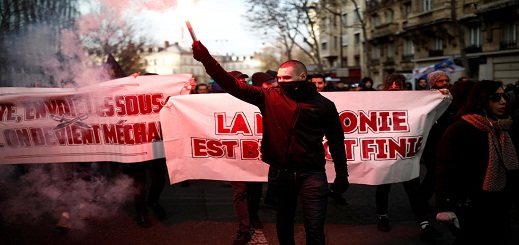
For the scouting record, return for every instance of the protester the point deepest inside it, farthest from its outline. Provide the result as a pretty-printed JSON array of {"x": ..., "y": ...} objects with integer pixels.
[
  {"x": 202, "y": 88},
  {"x": 295, "y": 120},
  {"x": 247, "y": 195},
  {"x": 157, "y": 170},
  {"x": 422, "y": 84},
  {"x": 263, "y": 79},
  {"x": 65, "y": 175},
  {"x": 439, "y": 81},
  {"x": 396, "y": 82},
  {"x": 367, "y": 84},
  {"x": 475, "y": 161},
  {"x": 318, "y": 80}
]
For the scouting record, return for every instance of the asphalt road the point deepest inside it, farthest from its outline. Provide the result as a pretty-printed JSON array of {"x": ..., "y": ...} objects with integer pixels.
[{"x": 203, "y": 214}]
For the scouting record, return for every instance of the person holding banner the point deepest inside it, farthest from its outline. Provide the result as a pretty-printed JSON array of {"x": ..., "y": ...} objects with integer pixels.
[
  {"x": 396, "y": 82},
  {"x": 246, "y": 199},
  {"x": 295, "y": 119},
  {"x": 476, "y": 169}
]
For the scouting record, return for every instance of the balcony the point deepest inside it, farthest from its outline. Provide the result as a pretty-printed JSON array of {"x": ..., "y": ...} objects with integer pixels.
[
  {"x": 389, "y": 61},
  {"x": 384, "y": 30},
  {"x": 375, "y": 62},
  {"x": 407, "y": 57},
  {"x": 504, "y": 45},
  {"x": 433, "y": 53},
  {"x": 473, "y": 49}
]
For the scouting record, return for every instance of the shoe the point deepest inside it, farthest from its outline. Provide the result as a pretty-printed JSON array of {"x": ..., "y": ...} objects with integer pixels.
[
  {"x": 143, "y": 220},
  {"x": 383, "y": 224},
  {"x": 339, "y": 199},
  {"x": 63, "y": 225},
  {"x": 429, "y": 232},
  {"x": 242, "y": 238},
  {"x": 158, "y": 210}
]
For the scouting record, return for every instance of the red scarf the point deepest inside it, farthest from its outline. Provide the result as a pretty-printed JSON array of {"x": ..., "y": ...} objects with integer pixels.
[{"x": 502, "y": 155}]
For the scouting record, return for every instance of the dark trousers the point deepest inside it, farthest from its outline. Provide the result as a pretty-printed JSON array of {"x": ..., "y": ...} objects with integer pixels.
[
  {"x": 412, "y": 189},
  {"x": 427, "y": 186},
  {"x": 157, "y": 171},
  {"x": 247, "y": 196},
  {"x": 312, "y": 189}
]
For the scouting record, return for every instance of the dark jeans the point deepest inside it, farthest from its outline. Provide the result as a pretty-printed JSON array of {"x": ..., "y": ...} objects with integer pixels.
[
  {"x": 312, "y": 188},
  {"x": 412, "y": 189},
  {"x": 157, "y": 170},
  {"x": 247, "y": 196}
]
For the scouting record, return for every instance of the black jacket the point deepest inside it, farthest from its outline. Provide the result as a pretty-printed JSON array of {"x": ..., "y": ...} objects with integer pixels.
[{"x": 293, "y": 129}]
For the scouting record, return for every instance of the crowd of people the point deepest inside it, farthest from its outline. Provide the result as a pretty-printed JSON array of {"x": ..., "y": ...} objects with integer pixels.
[{"x": 470, "y": 157}]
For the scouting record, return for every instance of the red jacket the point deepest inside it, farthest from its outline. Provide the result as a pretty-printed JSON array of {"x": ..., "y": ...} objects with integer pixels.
[{"x": 293, "y": 129}]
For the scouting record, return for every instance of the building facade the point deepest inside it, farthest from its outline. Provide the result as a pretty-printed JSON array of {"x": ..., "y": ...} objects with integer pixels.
[
  {"x": 403, "y": 35},
  {"x": 178, "y": 59}
]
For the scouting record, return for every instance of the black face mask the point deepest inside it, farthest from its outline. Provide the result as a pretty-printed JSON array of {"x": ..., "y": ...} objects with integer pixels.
[{"x": 290, "y": 88}]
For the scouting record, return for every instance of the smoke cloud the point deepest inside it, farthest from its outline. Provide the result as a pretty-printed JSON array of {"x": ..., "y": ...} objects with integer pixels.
[{"x": 36, "y": 191}]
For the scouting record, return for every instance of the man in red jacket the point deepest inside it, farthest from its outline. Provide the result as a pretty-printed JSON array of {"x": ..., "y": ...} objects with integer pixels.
[{"x": 295, "y": 120}]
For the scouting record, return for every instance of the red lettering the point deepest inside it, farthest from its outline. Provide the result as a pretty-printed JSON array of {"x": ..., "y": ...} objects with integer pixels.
[
  {"x": 349, "y": 121},
  {"x": 144, "y": 104},
  {"x": 157, "y": 102},
  {"x": 199, "y": 149},
  {"x": 400, "y": 121},
  {"x": 214, "y": 148},
  {"x": 132, "y": 107},
  {"x": 11, "y": 110},
  {"x": 368, "y": 147},
  {"x": 250, "y": 149},
  {"x": 119, "y": 104},
  {"x": 229, "y": 146}
]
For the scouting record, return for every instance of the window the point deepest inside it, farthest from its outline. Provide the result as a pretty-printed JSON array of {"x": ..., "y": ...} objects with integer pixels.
[
  {"x": 390, "y": 51},
  {"x": 426, "y": 5},
  {"x": 376, "y": 20},
  {"x": 437, "y": 44},
  {"x": 407, "y": 9},
  {"x": 375, "y": 53},
  {"x": 509, "y": 33},
  {"x": 345, "y": 40},
  {"x": 475, "y": 36},
  {"x": 408, "y": 47},
  {"x": 324, "y": 45},
  {"x": 357, "y": 39},
  {"x": 356, "y": 15},
  {"x": 344, "y": 19},
  {"x": 389, "y": 16}
]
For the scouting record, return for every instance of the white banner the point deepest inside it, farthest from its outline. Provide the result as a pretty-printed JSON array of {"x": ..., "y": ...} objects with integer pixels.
[
  {"x": 117, "y": 120},
  {"x": 216, "y": 136}
]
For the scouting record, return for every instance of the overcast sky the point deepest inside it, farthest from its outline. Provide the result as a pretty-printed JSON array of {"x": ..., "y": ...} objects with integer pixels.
[{"x": 218, "y": 24}]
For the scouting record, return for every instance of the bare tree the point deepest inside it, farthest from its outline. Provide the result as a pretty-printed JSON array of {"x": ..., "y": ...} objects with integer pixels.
[
  {"x": 291, "y": 23},
  {"x": 106, "y": 33},
  {"x": 20, "y": 47}
]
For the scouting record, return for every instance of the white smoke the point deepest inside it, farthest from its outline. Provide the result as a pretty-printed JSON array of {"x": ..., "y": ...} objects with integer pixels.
[{"x": 44, "y": 191}]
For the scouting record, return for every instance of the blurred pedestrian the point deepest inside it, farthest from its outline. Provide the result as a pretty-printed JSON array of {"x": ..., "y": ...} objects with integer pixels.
[{"x": 295, "y": 153}]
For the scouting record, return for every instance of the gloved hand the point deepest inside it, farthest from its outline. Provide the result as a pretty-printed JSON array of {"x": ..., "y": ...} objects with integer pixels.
[
  {"x": 449, "y": 218},
  {"x": 340, "y": 184},
  {"x": 200, "y": 52}
]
